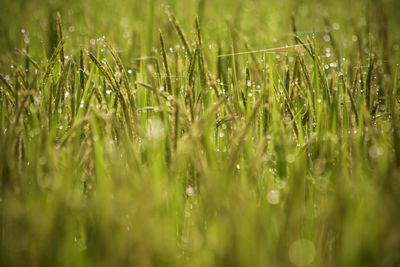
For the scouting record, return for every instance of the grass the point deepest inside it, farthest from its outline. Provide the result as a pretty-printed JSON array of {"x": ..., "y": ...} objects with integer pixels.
[{"x": 267, "y": 135}]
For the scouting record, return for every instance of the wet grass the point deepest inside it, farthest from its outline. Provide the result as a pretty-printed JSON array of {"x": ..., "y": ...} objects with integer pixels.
[{"x": 187, "y": 137}]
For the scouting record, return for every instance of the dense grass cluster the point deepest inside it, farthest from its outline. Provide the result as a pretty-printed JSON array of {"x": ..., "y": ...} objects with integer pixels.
[{"x": 200, "y": 144}]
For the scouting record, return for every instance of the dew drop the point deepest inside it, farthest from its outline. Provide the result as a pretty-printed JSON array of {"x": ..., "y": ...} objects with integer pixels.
[
  {"x": 273, "y": 197},
  {"x": 375, "y": 151},
  {"x": 336, "y": 26},
  {"x": 189, "y": 191},
  {"x": 302, "y": 252},
  {"x": 290, "y": 158}
]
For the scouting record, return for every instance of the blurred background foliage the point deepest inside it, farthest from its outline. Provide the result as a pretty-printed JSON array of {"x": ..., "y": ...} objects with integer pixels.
[{"x": 132, "y": 25}]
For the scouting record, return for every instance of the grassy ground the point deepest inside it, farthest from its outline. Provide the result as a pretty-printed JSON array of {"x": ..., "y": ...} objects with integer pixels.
[{"x": 199, "y": 133}]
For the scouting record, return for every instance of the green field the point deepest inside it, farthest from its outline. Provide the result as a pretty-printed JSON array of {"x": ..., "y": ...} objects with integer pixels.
[{"x": 199, "y": 133}]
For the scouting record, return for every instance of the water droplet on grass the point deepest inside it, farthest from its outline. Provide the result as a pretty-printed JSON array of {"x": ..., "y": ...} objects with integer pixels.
[
  {"x": 335, "y": 26},
  {"x": 302, "y": 252},
  {"x": 290, "y": 158},
  {"x": 328, "y": 52},
  {"x": 375, "y": 151},
  {"x": 273, "y": 197},
  {"x": 189, "y": 191}
]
